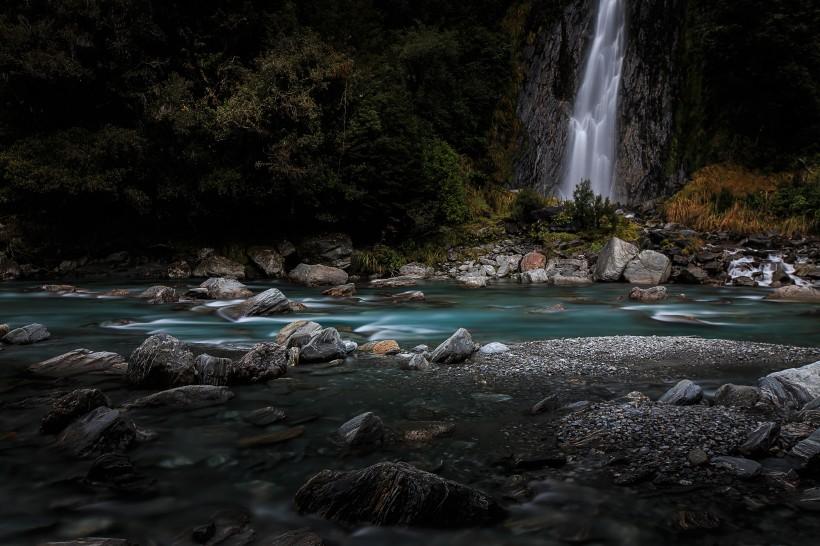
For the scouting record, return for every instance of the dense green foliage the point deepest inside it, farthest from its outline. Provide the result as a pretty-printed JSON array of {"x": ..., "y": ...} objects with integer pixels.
[{"x": 247, "y": 118}]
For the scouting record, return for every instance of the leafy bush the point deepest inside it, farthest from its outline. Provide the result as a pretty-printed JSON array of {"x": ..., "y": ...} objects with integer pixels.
[
  {"x": 526, "y": 202},
  {"x": 380, "y": 260},
  {"x": 590, "y": 211}
]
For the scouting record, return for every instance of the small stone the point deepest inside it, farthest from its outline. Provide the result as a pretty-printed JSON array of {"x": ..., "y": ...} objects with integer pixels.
[
  {"x": 697, "y": 457},
  {"x": 364, "y": 432},
  {"x": 417, "y": 362},
  {"x": 457, "y": 348},
  {"x": 493, "y": 348}
]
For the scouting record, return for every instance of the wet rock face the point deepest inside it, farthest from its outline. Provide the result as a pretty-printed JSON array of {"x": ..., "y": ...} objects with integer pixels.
[
  {"x": 323, "y": 346},
  {"x": 269, "y": 302},
  {"x": 646, "y": 102},
  {"x": 396, "y": 494},
  {"x": 32, "y": 333},
  {"x": 103, "y": 430},
  {"x": 219, "y": 288},
  {"x": 66, "y": 409},
  {"x": 81, "y": 361},
  {"x": 263, "y": 362},
  {"x": 648, "y": 267},
  {"x": 161, "y": 361},
  {"x": 212, "y": 370}
]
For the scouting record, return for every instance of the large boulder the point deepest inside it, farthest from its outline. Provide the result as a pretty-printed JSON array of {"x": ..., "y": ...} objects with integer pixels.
[
  {"x": 270, "y": 261},
  {"x": 457, "y": 348},
  {"x": 187, "y": 397},
  {"x": 265, "y": 361},
  {"x": 269, "y": 302},
  {"x": 324, "y": 346},
  {"x": 31, "y": 333},
  {"x": 102, "y": 430},
  {"x": 213, "y": 370},
  {"x": 318, "y": 275},
  {"x": 219, "y": 266},
  {"x": 67, "y": 408},
  {"x": 532, "y": 260},
  {"x": 792, "y": 388},
  {"x": 613, "y": 259},
  {"x": 364, "y": 432},
  {"x": 568, "y": 272},
  {"x": 649, "y": 267},
  {"x": 804, "y": 294},
  {"x": 220, "y": 288},
  {"x": 81, "y": 361},
  {"x": 648, "y": 295},
  {"x": 396, "y": 494},
  {"x": 297, "y": 328},
  {"x": 159, "y": 294},
  {"x": 685, "y": 393},
  {"x": 161, "y": 361},
  {"x": 333, "y": 249}
]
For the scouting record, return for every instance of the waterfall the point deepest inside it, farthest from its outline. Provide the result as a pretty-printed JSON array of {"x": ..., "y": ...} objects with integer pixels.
[{"x": 590, "y": 152}]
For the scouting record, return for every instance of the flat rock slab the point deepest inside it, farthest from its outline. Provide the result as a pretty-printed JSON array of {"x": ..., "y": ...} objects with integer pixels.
[
  {"x": 81, "y": 361},
  {"x": 396, "y": 494},
  {"x": 187, "y": 397},
  {"x": 26, "y": 335},
  {"x": 103, "y": 430}
]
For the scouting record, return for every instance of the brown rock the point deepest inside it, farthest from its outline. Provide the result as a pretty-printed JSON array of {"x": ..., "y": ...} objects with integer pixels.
[
  {"x": 533, "y": 260},
  {"x": 384, "y": 347}
]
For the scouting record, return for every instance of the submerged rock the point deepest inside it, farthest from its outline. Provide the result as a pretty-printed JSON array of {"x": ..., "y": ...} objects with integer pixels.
[
  {"x": 161, "y": 361},
  {"x": 271, "y": 438},
  {"x": 738, "y": 466},
  {"x": 67, "y": 408},
  {"x": 159, "y": 295},
  {"x": 384, "y": 347},
  {"x": 457, "y": 348},
  {"x": 212, "y": 370},
  {"x": 648, "y": 295},
  {"x": 792, "y": 388},
  {"x": 295, "y": 329},
  {"x": 396, "y": 494},
  {"x": 220, "y": 288},
  {"x": 341, "y": 291},
  {"x": 81, "y": 361},
  {"x": 323, "y": 346},
  {"x": 187, "y": 397},
  {"x": 742, "y": 396},
  {"x": 269, "y": 302},
  {"x": 318, "y": 275},
  {"x": 26, "y": 335},
  {"x": 649, "y": 267},
  {"x": 219, "y": 266},
  {"x": 364, "y": 432},
  {"x": 613, "y": 259},
  {"x": 102, "y": 430},
  {"x": 265, "y": 361},
  {"x": 410, "y": 295},
  {"x": 265, "y": 416},
  {"x": 685, "y": 393},
  {"x": 806, "y": 294}
]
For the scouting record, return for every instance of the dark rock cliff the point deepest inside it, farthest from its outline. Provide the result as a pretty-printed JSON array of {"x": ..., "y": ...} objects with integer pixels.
[{"x": 647, "y": 100}]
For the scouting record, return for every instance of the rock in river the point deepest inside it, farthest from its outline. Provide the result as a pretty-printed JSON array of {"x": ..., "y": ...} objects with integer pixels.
[
  {"x": 364, "y": 432},
  {"x": 27, "y": 335},
  {"x": 613, "y": 259},
  {"x": 270, "y": 261},
  {"x": 159, "y": 295},
  {"x": 341, "y": 291},
  {"x": 393, "y": 282},
  {"x": 161, "y": 361},
  {"x": 417, "y": 362},
  {"x": 212, "y": 370},
  {"x": 295, "y": 329},
  {"x": 324, "y": 346},
  {"x": 457, "y": 348},
  {"x": 187, "y": 397},
  {"x": 265, "y": 361},
  {"x": 383, "y": 347},
  {"x": 806, "y": 294},
  {"x": 265, "y": 416},
  {"x": 269, "y": 302},
  {"x": 648, "y": 295},
  {"x": 649, "y": 267},
  {"x": 794, "y": 387},
  {"x": 67, "y": 408},
  {"x": 81, "y": 361},
  {"x": 220, "y": 288},
  {"x": 396, "y": 494},
  {"x": 103, "y": 430},
  {"x": 807, "y": 452},
  {"x": 318, "y": 275},
  {"x": 685, "y": 393}
]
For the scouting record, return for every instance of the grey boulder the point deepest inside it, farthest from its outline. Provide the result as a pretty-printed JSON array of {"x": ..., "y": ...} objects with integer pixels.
[
  {"x": 323, "y": 346},
  {"x": 648, "y": 295},
  {"x": 221, "y": 288},
  {"x": 363, "y": 433},
  {"x": 103, "y": 430},
  {"x": 67, "y": 408},
  {"x": 792, "y": 388},
  {"x": 742, "y": 396},
  {"x": 685, "y": 393},
  {"x": 26, "y": 335},
  {"x": 648, "y": 267},
  {"x": 265, "y": 361},
  {"x": 269, "y": 302},
  {"x": 297, "y": 328},
  {"x": 81, "y": 361},
  {"x": 613, "y": 259},
  {"x": 213, "y": 370},
  {"x": 270, "y": 261},
  {"x": 318, "y": 275},
  {"x": 161, "y": 361},
  {"x": 457, "y": 348}
]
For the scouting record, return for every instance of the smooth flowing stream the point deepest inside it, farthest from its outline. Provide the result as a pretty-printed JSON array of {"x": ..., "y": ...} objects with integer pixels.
[
  {"x": 592, "y": 138},
  {"x": 199, "y": 469}
]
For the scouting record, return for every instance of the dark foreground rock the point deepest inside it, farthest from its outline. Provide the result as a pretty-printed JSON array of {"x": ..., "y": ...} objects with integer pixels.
[
  {"x": 457, "y": 348},
  {"x": 103, "y": 430},
  {"x": 685, "y": 393},
  {"x": 269, "y": 302},
  {"x": 161, "y": 361},
  {"x": 364, "y": 432},
  {"x": 323, "y": 346},
  {"x": 26, "y": 335},
  {"x": 79, "y": 362},
  {"x": 743, "y": 396},
  {"x": 738, "y": 466},
  {"x": 793, "y": 387},
  {"x": 298, "y": 537},
  {"x": 116, "y": 472},
  {"x": 67, "y": 408},
  {"x": 187, "y": 397},
  {"x": 265, "y": 416},
  {"x": 396, "y": 494},
  {"x": 265, "y": 361}
]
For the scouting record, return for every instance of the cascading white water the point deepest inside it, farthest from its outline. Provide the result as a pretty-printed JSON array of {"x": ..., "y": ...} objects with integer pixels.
[{"x": 590, "y": 150}]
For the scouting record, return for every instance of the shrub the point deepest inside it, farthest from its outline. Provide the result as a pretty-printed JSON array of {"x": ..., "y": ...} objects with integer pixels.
[
  {"x": 380, "y": 260},
  {"x": 526, "y": 202},
  {"x": 590, "y": 211}
]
